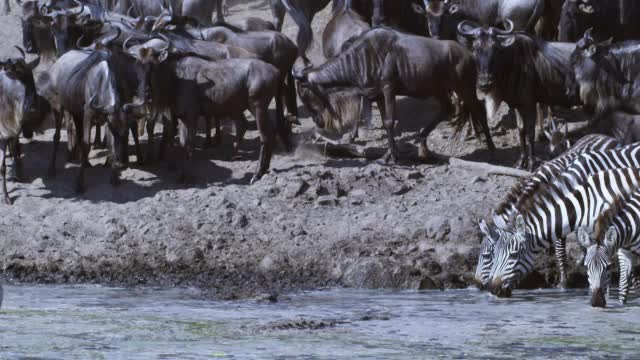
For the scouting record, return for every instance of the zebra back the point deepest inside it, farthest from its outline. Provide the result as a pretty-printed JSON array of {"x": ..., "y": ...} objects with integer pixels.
[{"x": 526, "y": 188}]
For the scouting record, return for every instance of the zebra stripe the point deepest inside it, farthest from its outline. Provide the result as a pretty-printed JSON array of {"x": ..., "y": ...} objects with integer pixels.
[{"x": 552, "y": 217}]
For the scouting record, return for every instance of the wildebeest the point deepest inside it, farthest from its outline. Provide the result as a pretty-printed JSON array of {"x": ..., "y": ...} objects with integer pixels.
[
  {"x": 93, "y": 86},
  {"x": 382, "y": 64},
  {"x": 445, "y": 15},
  {"x": 404, "y": 15},
  {"x": 22, "y": 110},
  {"x": 343, "y": 28},
  {"x": 521, "y": 70},
  {"x": 269, "y": 46},
  {"x": 607, "y": 19},
  {"x": 190, "y": 87},
  {"x": 607, "y": 76}
]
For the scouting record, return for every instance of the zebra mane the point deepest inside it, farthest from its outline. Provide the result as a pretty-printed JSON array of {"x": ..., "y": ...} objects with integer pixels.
[
  {"x": 605, "y": 220},
  {"x": 512, "y": 197}
]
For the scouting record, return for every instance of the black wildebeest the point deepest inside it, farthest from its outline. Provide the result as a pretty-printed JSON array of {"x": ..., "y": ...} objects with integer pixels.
[
  {"x": 382, "y": 64},
  {"x": 445, "y": 15},
  {"x": 608, "y": 19},
  {"x": 522, "y": 70},
  {"x": 190, "y": 87},
  {"x": 607, "y": 75},
  {"x": 93, "y": 86},
  {"x": 23, "y": 110}
]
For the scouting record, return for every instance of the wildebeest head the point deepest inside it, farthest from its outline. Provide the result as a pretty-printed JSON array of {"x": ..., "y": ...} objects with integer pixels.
[
  {"x": 558, "y": 137},
  {"x": 486, "y": 44},
  {"x": 589, "y": 64},
  {"x": 315, "y": 98},
  {"x": 49, "y": 30},
  {"x": 597, "y": 261},
  {"x": 442, "y": 16}
]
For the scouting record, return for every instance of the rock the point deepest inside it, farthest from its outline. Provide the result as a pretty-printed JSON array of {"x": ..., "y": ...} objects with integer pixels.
[
  {"x": 327, "y": 200},
  {"x": 414, "y": 175},
  {"x": 428, "y": 284},
  {"x": 240, "y": 221},
  {"x": 358, "y": 193},
  {"x": 438, "y": 228},
  {"x": 403, "y": 190}
]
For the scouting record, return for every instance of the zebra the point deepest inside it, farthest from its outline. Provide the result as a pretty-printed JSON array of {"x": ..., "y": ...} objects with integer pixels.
[
  {"x": 551, "y": 217},
  {"x": 622, "y": 238},
  {"x": 523, "y": 189},
  {"x": 573, "y": 175}
]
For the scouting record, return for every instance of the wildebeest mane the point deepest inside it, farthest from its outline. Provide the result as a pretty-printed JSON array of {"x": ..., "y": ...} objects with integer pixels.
[
  {"x": 531, "y": 60},
  {"x": 359, "y": 63}
]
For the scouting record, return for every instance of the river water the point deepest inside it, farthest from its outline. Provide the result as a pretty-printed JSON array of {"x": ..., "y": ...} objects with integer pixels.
[{"x": 87, "y": 322}]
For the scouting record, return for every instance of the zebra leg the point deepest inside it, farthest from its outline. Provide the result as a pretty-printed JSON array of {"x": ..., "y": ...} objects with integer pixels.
[
  {"x": 625, "y": 258},
  {"x": 561, "y": 258}
]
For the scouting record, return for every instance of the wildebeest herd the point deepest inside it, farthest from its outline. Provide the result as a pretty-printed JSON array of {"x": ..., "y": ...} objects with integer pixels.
[{"x": 131, "y": 62}]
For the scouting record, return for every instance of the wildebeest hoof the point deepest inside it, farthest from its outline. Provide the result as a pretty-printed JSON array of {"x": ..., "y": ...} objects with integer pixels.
[
  {"x": 8, "y": 201},
  {"x": 388, "y": 159},
  {"x": 115, "y": 180},
  {"x": 255, "y": 178},
  {"x": 80, "y": 189}
]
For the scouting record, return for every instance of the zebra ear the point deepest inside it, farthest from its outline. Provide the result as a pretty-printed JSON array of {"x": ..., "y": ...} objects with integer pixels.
[
  {"x": 520, "y": 227},
  {"x": 486, "y": 231},
  {"x": 583, "y": 238},
  {"x": 498, "y": 221},
  {"x": 610, "y": 237}
]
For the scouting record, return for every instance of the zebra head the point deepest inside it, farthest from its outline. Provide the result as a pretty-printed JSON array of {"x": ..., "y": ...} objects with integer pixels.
[
  {"x": 597, "y": 261},
  {"x": 485, "y": 260},
  {"x": 513, "y": 259}
]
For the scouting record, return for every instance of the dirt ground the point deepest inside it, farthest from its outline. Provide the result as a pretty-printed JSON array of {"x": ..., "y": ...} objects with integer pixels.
[{"x": 313, "y": 221}]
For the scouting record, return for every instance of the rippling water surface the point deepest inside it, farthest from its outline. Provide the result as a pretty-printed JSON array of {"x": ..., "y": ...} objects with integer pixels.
[{"x": 98, "y": 322}]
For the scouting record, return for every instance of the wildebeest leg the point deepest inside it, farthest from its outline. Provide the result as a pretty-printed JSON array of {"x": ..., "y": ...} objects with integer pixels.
[
  {"x": 241, "y": 125},
  {"x": 207, "y": 132},
  {"x": 3, "y": 168},
  {"x": 291, "y": 99},
  {"x": 17, "y": 161},
  {"x": 278, "y": 11},
  {"x": 133, "y": 125},
  {"x": 187, "y": 130},
  {"x": 56, "y": 140},
  {"x": 530, "y": 129},
  {"x": 86, "y": 147},
  {"x": 389, "y": 123},
  {"x": 151, "y": 127},
  {"x": 479, "y": 117},
  {"x": 267, "y": 138},
  {"x": 522, "y": 134},
  {"x": 98, "y": 142},
  {"x": 283, "y": 127},
  {"x": 219, "y": 11}
]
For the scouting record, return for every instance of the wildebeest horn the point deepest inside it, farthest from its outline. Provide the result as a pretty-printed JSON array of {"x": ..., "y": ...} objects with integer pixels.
[
  {"x": 81, "y": 8},
  {"x": 79, "y": 41},
  {"x": 467, "y": 28},
  {"x": 166, "y": 39},
  {"x": 508, "y": 30},
  {"x": 127, "y": 22},
  {"x": 106, "y": 41},
  {"x": 21, "y": 52},
  {"x": 129, "y": 10},
  {"x": 92, "y": 104},
  {"x": 124, "y": 45},
  {"x": 132, "y": 106}
]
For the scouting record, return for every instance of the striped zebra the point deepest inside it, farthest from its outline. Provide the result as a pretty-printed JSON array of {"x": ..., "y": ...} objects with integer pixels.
[
  {"x": 622, "y": 238},
  {"x": 524, "y": 189},
  {"x": 552, "y": 217}
]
